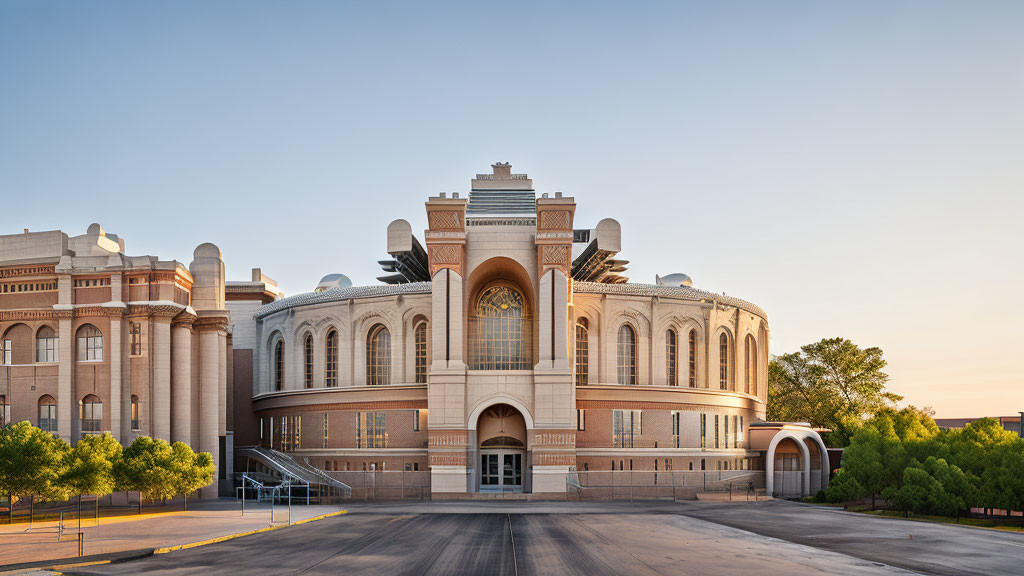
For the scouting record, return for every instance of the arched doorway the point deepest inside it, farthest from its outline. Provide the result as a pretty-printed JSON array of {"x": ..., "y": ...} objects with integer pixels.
[{"x": 501, "y": 433}]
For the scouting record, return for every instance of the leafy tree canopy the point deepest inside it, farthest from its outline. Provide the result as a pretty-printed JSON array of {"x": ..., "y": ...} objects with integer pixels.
[
  {"x": 90, "y": 465},
  {"x": 832, "y": 384},
  {"x": 31, "y": 462}
]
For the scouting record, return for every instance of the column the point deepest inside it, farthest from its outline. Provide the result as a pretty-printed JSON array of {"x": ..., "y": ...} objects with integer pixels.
[
  {"x": 209, "y": 390},
  {"x": 161, "y": 366},
  {"x": 181, "y": 379}
]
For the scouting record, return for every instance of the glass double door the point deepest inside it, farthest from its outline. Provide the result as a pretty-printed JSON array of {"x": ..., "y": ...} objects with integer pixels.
[{"x": 501, "y": 471}]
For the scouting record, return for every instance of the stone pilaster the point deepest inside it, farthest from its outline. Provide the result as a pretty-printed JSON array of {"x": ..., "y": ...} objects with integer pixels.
[
  {"x": 115, "y": 311},
  {"x": 212, "y": 329},
  {"x": 65, "y": 374},
  {"x": 181, "y": 378},
  {"x": 160, "y": 348}
]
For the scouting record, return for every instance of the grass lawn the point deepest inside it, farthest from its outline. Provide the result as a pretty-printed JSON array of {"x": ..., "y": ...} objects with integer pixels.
[{"x": 993, "y": 523}]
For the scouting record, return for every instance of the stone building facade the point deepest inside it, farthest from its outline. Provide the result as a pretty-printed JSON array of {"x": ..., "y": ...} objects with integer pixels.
[
  {"x": 93, "y": 340},
  {"x": 506, "y": 351}
]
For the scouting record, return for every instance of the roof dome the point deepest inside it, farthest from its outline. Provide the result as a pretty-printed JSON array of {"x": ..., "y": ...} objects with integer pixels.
[
  {"x": 332, "y": 281},
  {"x": 674, "y": 280}
]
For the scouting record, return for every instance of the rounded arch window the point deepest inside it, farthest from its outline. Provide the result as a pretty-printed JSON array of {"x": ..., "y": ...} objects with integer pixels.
[
  {"x": 136, "y": 414},
  {"x": 723, "y": 361},
  {"x": 279, "y": 365},
  {"x": 378, "y": 356},
  {"x": 307, "y": 361},
  {"x": 692, "y": 362},
  {"x": 331, "y": 359},
  {"x": 671, "y": 357},
  {"x": 582, "y": 352},
  {"x": 500, "y": 331},
  {"x": 750, "y": 351},
  {"x": 47, "y": 413},
  {"x": 90, "y": 344},
  {"x": 420, "y": 349},
  {"x": 46, "y": 345},
  {"x": 626, "y": 355},
  {"x": 90, "y": 413}
]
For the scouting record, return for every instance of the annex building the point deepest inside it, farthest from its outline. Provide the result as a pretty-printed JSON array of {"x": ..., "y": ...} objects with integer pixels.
[{"x": 504, "y": 350}]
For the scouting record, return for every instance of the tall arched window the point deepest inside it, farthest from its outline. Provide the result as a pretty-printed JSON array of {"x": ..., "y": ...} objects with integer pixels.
[
  {"x": 331, "y": 359},
  {"x": 693, "y": 358},
  {"x": 750, "y": 351},
  {"x": 378, "y": 356},
  {"x": 279, "y": 365},
  {"x": 46, "y": 345},
  {"x": 671, "y": 357},
  {"x": 47, "y": 413},
  {"x": 582, "y": 353},
  {"x": 626, "y": 356},
  {"x": 420, "y": 346},
  {"x": 90, "y": 344},
  {"x": 136, "y": 413},
  {"x": 723, "y": 361},
  {"x": 90, "y": 414},
  {"x": 307, "y": 361},
  {"x": 501, "y": 331}
]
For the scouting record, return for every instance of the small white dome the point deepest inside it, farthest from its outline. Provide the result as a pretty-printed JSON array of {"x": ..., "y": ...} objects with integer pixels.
[
  {"x": 674, "y": 280},
  {"x": 332, "y": 281}
]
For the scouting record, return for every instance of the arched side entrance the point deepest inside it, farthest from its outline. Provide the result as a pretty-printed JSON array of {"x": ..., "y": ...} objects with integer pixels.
[
  {"x": 796, "y": 463},
  {"x": 501, "y": 450}
]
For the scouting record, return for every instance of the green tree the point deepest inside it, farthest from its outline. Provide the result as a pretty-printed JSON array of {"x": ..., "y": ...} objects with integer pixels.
[
  {"x": 844, "y": 488},
  {"x": 31, "y": 463},
  {"x": 147, "y": 467},
  {"x": 191, "y": 470},
  {"x": 90, "y": 467},
  {"x": 832, "y": 384}
]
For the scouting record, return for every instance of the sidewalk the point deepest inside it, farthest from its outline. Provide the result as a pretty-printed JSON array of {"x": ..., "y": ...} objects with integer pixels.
[{"x": 152, "y": 530}]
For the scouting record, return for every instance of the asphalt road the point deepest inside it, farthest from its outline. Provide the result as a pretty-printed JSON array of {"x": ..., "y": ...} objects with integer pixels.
[
  {"x": 431, "y": 540},
  {"x": 923, "y": 547}
]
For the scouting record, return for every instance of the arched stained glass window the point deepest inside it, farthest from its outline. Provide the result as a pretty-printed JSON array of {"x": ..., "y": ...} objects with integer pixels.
[
  {"x": 420, "y": 342},
  {"x": 378, "y": 356},
  {"x": 582, "y": 353},
  {"x": 501, "y": 331},
  {"x": 626, "y": 356},
  {"x": 331, "y": 359},
  {"x": 671, "y": 357}
]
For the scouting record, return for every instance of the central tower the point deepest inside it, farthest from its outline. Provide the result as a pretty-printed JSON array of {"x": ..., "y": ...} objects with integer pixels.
[{"x": 499, "y": 263}]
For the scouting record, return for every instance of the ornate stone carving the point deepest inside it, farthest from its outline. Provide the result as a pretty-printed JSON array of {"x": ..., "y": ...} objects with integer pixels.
[
  {"x": 557, "y": 255},
  {"x": 26, "y": 271},
  {"x": 554, "y": 220},
  {"x": 444, "y": 220},
  {"x": 446, "y": 254}
]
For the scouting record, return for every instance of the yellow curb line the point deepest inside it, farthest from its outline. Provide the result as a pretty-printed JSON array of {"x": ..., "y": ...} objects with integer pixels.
[{"x": 167, "y": 549}]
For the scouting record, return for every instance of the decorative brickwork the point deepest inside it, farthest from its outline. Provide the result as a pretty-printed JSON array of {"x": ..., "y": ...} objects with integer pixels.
[
  {"x": 554, "y": 220},
  {"x": 445, "y": 220}
]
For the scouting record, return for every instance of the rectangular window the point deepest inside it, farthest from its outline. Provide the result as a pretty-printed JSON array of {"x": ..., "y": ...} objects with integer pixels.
[
  {"x": 90, "y": 348},
  {"x": 626, "y": 425},
  {"x": 716, "y": 430},
  {"x": 726, "y": 435},
  {"x": 5, "y": 411},
  {"x": 136, "y": 332},
  {"x": 739, "y": 431},
  {"x": 736, "y": 433},
  {"x": 415, "y": 420},
  {"x": 581, "y": 420},
  {"x": 675, "y": 428},
  {"x": 6, "y": 347},
  {"x": 291, "y": 433},
  {"x": 703, "y": 431},
  {"x": 326, "y": 435},
  {"x": 48, "y": 417},
  {"x": 370, "y": 430}
]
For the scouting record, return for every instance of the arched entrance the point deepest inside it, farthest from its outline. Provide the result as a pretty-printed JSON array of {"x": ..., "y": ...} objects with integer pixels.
[{"x": 501, "y": 434}]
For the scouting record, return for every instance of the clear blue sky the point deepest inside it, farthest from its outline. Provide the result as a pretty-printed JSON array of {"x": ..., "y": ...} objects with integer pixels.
[{"x": 855, "y": 169}]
